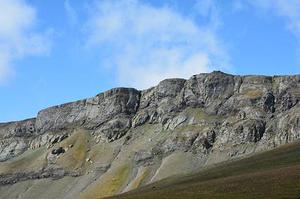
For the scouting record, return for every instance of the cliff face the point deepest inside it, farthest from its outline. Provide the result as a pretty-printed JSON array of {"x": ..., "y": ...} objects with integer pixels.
[
  {"x": 115, "y": 106},
  {"x": 133, "y": 137}
]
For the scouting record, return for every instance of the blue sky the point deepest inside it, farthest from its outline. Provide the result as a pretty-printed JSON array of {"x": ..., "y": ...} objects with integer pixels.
[{"x": 56, "y": 51}]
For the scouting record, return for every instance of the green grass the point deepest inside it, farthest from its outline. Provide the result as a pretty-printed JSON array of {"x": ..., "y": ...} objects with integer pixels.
[
  {"x": 199, "y": 114},
  {"x": 272, "y": 174}
]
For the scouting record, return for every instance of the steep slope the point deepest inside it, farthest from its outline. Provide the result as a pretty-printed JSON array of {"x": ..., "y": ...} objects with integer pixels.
[
  {"x": 123, "y": 138},
  {"x": 271, "y": 174}
]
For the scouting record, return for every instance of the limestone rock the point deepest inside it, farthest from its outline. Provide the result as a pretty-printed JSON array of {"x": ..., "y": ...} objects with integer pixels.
[{"x": 90, "y": 113}]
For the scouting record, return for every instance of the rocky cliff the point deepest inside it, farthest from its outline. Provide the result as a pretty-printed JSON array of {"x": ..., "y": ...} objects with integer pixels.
[{"x": 124, "y": 138}]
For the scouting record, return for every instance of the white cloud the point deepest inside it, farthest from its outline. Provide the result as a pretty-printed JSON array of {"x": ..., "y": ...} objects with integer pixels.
[
  {"x": 17, "y": 37},
  {"x": 145, "y": 44}
]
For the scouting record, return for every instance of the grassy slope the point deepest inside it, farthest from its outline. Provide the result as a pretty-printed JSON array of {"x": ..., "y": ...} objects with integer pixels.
[
  {"x": 31, "y": 160},
  {"x": 272, "y": 174}
]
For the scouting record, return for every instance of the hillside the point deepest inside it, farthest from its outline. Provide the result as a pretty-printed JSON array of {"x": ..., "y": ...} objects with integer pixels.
[
  {"x": 271, "y": 174},
  {"x": 124, "y": 138}
]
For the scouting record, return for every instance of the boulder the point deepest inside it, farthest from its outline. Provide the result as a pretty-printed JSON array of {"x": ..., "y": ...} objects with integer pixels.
[{"x": 58, "y": 151}]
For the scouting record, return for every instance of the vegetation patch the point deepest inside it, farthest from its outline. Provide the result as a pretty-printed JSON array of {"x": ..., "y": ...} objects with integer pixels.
[
  {"x": 258, "y": 79},
  {"x": 295, "y": 91},
  {"x": 199, "y": 114},
  {"x": 178, "y": 162},
  {"x": 111, "y": 183},
  {"x": 75, "y": 157},
  {"x": 31, "y": 160},
  {"x": 253, "y": 94},
  {"x": 102, "y": 153},
  {"x": 143, "y": 173},
  {"x": 194, "y": 128}
]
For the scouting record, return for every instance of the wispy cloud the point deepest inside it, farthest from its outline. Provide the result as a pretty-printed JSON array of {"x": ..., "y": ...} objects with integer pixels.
[
  {"x": 288, "y": 9},
  {"x": 17, "y": 36},
  {"x": 144, "y": 44},
  {"x": 5, "y": 70},
  {"x": 71, "y": 13},
  {"x": 209, "y": 10}
]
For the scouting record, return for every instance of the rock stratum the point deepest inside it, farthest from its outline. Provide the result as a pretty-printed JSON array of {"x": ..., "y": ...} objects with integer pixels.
[{"x": 124, "y": 138}]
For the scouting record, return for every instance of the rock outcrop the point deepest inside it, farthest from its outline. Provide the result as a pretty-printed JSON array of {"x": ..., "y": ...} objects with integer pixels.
[
  {"x": 135, "y": 135},
  {"x": 91, "y": 113},
  {"x": 15, "y": 138}
]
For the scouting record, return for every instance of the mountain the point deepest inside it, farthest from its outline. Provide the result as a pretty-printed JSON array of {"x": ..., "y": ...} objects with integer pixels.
[{"x": 124, "y": 138}]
